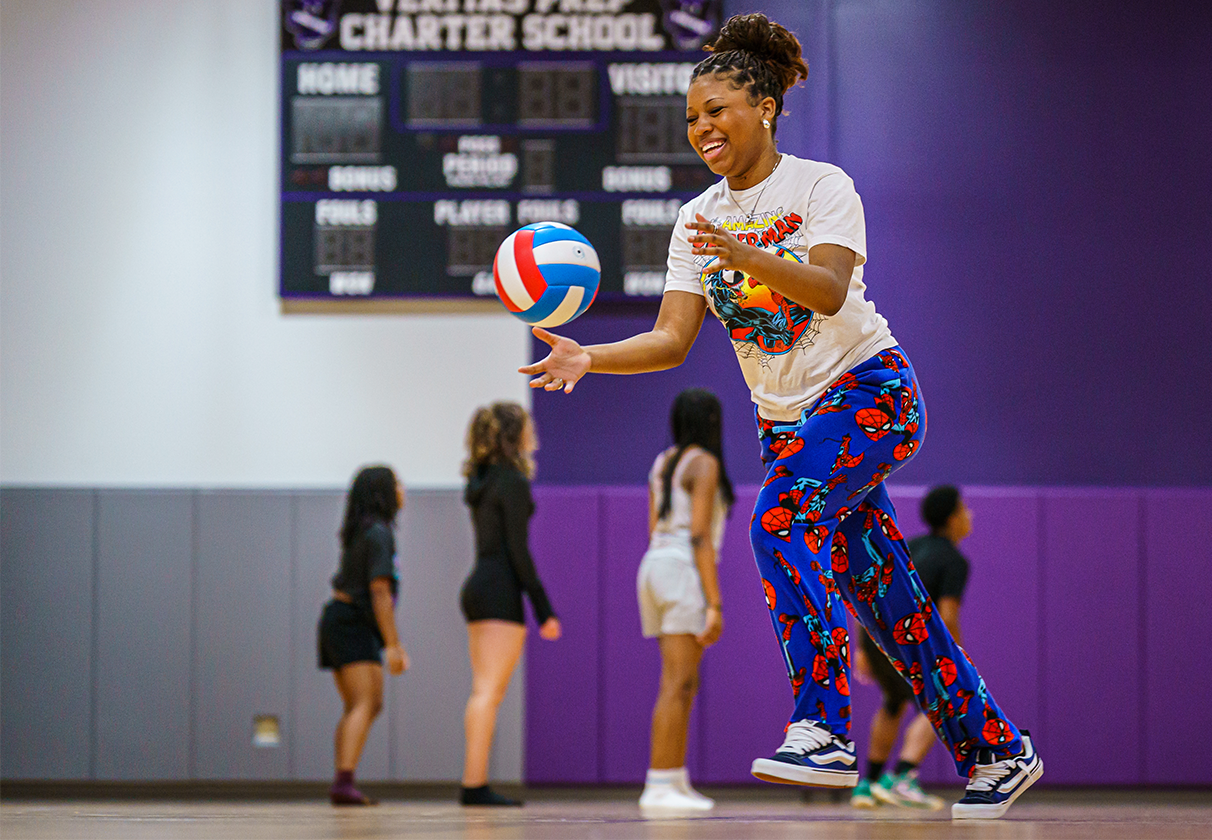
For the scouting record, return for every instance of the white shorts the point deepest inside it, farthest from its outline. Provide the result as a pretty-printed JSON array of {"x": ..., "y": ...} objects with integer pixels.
[{"x": 670, "y": 593}]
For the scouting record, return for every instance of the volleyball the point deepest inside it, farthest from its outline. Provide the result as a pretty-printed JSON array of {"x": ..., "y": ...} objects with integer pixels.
[{"x": 546, "y": 273}]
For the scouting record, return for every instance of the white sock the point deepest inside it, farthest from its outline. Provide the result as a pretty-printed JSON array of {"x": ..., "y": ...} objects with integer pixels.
[
  {"x": 663, "y": 778},
  {"x": 683, "y": 785}
]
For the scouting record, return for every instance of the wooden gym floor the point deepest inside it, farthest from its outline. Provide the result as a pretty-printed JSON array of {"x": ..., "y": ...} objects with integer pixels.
[{"x": 611, "y": 814}]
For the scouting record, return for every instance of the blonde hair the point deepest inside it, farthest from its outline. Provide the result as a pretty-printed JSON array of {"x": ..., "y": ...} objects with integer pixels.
[{"x": 494, "y": 436}]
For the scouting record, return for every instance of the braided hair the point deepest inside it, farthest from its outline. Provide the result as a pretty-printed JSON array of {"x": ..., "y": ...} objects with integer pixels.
[
  {"x": 695, "y": 421},
  {"x": 495, "y": 437},
  {"x": 758, "y": 55}
]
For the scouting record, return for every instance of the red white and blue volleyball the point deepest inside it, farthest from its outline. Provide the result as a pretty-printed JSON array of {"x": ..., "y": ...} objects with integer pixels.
[{"x": 546, "y": 273}]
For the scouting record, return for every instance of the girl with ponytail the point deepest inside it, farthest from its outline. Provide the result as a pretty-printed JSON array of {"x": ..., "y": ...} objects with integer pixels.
[
  {"x": 689, "y": 495},
  {"x": 500, "y": 463},
  {"x": 776, "y": 250}
]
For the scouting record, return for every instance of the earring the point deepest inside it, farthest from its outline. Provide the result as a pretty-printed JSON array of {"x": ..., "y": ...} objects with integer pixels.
[{"x": 765, "y": 123}]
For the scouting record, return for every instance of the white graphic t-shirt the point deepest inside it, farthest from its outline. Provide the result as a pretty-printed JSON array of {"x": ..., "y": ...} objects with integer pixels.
[{"x": 788, "y": 353}]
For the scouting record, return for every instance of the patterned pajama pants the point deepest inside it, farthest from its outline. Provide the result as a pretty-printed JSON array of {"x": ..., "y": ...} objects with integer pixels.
[{"x": 824, "y": 533}]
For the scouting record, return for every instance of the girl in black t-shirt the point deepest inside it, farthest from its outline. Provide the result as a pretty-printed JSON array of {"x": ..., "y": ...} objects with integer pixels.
[
  {"x": 500, "y": 448},
  {"x": 358, "y": 623}
]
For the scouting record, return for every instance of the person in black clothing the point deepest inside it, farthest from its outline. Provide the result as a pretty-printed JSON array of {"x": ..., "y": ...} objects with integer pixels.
[
  {"x": 358, "y": 623},
  {"x": 501, "y": 443},
  {"x": 944, "y": 573}
]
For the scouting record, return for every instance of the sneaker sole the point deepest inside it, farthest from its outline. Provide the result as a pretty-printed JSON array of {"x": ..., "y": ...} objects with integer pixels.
[
  {"x": 866, "y": 803},
  {"x": 883, "y": 796},
  {"x": 782, "y": 773},
  {"x": 919, "y": 804},
  {"x": 675, "y": 809},
  {"x": 893, "y": 798},
  {"x": 679, "y": 802},
  {"x": 960, "y": 811}
]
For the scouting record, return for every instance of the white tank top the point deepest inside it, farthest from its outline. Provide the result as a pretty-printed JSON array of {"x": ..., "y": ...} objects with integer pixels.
[{"x": 674, "y": 528}]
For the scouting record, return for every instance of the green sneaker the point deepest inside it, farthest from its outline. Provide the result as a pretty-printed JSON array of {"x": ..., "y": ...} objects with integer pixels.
[
  {"x": 882, "y": 790},
  {"x": 907, "y": 792},
  {"x": 861, "y": 797}
]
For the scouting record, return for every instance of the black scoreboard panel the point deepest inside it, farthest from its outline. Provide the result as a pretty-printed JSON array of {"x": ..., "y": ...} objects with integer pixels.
[
  {"x": 414, "y": 140},
  {"x": 337, "y": 129}
]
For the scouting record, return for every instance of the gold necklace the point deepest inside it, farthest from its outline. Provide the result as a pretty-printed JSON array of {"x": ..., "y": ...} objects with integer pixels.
[
  {"x": 737, "y": 276},
  {"x": 765, "y": 183}
]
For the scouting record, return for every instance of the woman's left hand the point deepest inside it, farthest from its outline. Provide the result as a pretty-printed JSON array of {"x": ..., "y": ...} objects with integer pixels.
[
  {"x": 550, "y": 629},
  {"x": 397, "y": 659},
  {"x": 710, "y": 240}
]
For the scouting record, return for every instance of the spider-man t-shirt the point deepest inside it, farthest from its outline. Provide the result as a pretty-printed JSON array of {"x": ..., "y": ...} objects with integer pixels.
[
  {"x": 788, "y": 353},
  {"x": 943, "y": 570}
]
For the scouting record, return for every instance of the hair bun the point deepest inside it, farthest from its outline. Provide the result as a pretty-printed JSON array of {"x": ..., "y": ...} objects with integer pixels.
[
  {"x": 764, "y": 41},
  {"x": 751, "y": 33}
]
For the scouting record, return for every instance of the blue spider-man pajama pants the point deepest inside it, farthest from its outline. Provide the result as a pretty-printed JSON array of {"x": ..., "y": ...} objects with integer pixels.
[{"x": 824, "y": 532}]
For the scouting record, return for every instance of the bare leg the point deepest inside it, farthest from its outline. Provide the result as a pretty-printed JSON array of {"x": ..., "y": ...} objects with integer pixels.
[
  {"x": 680, "y": 656},
  {"x": 919, "y": 738},
  {"x": 884, "y": 728},
  {"x": 495, "y": 647},
  {"x": 361, "y": 688}
]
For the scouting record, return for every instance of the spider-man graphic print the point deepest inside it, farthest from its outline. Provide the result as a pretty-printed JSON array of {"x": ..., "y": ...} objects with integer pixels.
[
  {"x": 824, "y": 533},
  {"x": 752, "y": 313}
]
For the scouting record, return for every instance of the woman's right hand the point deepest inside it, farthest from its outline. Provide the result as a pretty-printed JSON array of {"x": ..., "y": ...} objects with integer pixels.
[
  {"x": 564, "y": 365},
  {"x": 550, "y": 629},
  {"x": 713, "y": 629},
  {"x": 397, "y": 659}
]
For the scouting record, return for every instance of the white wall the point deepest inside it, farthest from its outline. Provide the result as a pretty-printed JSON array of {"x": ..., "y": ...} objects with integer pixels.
[{"x": 141, "y": 342}]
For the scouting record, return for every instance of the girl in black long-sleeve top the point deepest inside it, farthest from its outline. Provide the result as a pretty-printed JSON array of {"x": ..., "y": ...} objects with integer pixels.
[
  {"x": 501, "y": 444},
  {"x": 501, "y": 507}
]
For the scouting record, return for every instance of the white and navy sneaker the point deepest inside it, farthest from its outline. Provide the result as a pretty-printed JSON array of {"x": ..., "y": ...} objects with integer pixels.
[
  {"x": 810, "y": 755},
  {"x": 993, "y": 785}
]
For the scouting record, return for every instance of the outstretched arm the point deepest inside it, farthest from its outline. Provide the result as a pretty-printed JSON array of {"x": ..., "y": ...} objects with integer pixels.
[{"x": 664, "y": 346}]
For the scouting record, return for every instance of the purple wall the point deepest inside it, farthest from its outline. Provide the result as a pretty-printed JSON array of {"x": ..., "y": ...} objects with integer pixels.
[
  {"x": 1035, "y": 181},
  {"x": 1032, "y": 172},
  {"x": 1086, "y": 613}
]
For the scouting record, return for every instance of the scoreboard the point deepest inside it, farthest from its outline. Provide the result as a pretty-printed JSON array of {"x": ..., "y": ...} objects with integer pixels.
[{"x": 417, "y": 134}]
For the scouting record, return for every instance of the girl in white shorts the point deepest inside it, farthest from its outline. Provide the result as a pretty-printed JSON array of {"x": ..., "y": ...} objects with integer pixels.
[{"x": 688, "y": 499}]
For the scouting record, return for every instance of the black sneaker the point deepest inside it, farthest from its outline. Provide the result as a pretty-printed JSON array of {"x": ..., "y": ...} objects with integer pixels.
[
  {"x": 810, "y": 755},
  {"x": 994, "y": 785}
]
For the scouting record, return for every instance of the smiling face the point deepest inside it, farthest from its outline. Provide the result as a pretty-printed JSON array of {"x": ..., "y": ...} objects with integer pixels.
[{"x": 726, "y": 130}]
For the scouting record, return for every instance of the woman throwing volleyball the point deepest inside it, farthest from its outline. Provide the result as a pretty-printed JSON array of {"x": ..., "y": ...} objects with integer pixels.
[{"x": 776, "y": 250}]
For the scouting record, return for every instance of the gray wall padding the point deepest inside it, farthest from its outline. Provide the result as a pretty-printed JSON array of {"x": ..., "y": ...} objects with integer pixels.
[{"x": 141, "y": 631}]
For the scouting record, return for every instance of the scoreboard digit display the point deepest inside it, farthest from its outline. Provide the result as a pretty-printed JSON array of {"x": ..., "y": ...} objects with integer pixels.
[{"x": 417, "y": 134}]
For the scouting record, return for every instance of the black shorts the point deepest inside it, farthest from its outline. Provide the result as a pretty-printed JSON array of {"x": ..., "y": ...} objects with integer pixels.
[
  {"x": 895, "y": 688},
  {"x": 492, "y": 591},
  {"x": 346, "y": 634}
]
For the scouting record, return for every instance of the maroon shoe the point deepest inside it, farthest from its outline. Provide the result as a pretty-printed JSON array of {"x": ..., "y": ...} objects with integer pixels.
[{"x": 349, "y": 795}]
